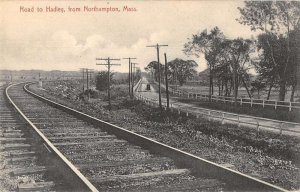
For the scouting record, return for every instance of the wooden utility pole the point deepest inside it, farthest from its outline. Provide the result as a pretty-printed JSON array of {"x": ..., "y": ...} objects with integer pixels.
[
  {"x": 88, "y": 72},
  {"x": 87, "y": 79},
  {"x": 133, "y": 75},
  {"x": 235, "y": 86},
  {"x": 129, "y": 74},
  {"x": 108, "y": 64},
  {"x": 166, "y": 79},
  {"x": 298, "y": 64},
  {"x": 157, "y": 46},
  {"x": 82, "y": 79}
]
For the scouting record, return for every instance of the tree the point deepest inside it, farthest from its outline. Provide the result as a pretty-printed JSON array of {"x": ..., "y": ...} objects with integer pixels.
[
  {"x": 207, "y": 44},
  {"x": 101, "y": 80},
  {"x": 138, "y": 73},
  {"x": 152, "y": 68},
  {"x": 277, "y": 19},
  {"x": 236, "y": 54},
  {"x": 182, "y": 69},
  {"x": 258, "y": 86}
]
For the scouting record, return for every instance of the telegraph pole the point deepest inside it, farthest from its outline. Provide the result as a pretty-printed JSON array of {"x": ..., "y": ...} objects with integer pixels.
[
  {"x": 157, "y": 46},
  {"x": 166, "y": 79},
  {"x": 87, "y": 79},
  {"x": 108, "y": 64},
  {"x": 82, "y": 79},
  {"x": 133, "y": 75},
  {"x": 88, "y": 72},
  {"x": 129, "y": 74}
]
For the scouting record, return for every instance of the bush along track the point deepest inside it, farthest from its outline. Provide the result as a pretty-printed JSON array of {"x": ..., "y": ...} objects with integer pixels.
[{"x": 268, "y": 156}]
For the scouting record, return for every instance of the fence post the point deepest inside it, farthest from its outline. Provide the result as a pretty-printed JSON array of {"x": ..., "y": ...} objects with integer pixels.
[
  {"x": 178, "y": 111},
  {"x": 281, "y": 126},
  {"x": 187, "y": 114},
  {"x": 222, "y": 118},
  {"x": 290, "y": 107},
  {"x": 197, "y": 116},
  {"x": 209, "y": 115},
  {"x": 238, "y": 120},
  {"x": 275, "y": 105},
  {"x": 263, "y": 103},
  {"x": 196, "y": 96},
  {"x": 251, "y": 102},
  {"x": 257, "y": 129},
  {"x": 188, "y": 95},
  {"x": 241, "y": 101}
]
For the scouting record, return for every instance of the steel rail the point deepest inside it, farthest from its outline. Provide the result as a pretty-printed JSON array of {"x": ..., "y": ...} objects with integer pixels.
[
  {"x": 76, "y": 179},
  {"x": 198, "y": 165}
]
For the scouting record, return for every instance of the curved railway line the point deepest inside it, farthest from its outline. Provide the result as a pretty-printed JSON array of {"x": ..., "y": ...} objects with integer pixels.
[
  {"x": 98, "y": 156},
  {"x": 23, "y": 160}
]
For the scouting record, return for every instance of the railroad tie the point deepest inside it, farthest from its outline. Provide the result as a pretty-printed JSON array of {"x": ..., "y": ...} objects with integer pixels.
[
  {"x": 123, "y": 163},
  {"x": 13, "y": 135},
  {"x": 11, "y": 140},
  {"x": 82, "y": 137},
  {"x": 39, "y": 186},
  {"x": 198, "y": 184},
  {"x": 22, "y": 159},
  {"x": 28, "y": 171},
  {"x": 19, "y": 146},
  {"x": 11, "y": 131},
  {"x": 113, "y": 141},
  {"x": 139, "y": 176},
  {"x": 22, "y": 154},
  {"x": 104, "y": 149}
]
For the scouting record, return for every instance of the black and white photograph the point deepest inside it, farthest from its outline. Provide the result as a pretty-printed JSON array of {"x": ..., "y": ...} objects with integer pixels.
[{"x": 149, "y": 96}]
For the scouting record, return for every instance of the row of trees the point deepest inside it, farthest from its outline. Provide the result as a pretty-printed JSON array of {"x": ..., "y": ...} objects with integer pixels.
[
  {"x": 279, "y": 23},
  {"x": 228, "y": 60},
  {"x": 178, "y": 70},
  {"x": 273, "y": 54}
]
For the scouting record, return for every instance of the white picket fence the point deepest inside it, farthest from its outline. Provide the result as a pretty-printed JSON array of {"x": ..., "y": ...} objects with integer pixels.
[
  {"x": 257, "y": 122},
  {"x": 241, "y": 101}
]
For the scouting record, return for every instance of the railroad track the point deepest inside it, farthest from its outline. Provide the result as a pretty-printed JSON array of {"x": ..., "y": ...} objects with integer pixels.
[
  {"x": 105, "y": 157},
  {"x": 22, "y": 166}
]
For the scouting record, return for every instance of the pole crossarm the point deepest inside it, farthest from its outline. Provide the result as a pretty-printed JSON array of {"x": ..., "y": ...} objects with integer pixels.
[
  {"x": 108, "y": 64},
  {"x": 105, "y": 59},
  {"x": 157, "y": 45},
  {"x": 130, "y": 58}
]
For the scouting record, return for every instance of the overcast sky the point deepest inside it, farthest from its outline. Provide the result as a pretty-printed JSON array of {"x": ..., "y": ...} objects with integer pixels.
[{"x": 69, "y": 41}]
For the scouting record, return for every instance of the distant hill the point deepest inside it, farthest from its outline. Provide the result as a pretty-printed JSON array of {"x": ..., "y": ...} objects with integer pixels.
[{"x": 6, "y": 75}]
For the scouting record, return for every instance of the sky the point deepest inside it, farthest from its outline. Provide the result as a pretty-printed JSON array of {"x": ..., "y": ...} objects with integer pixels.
[{"x": 72, "y": 40}]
